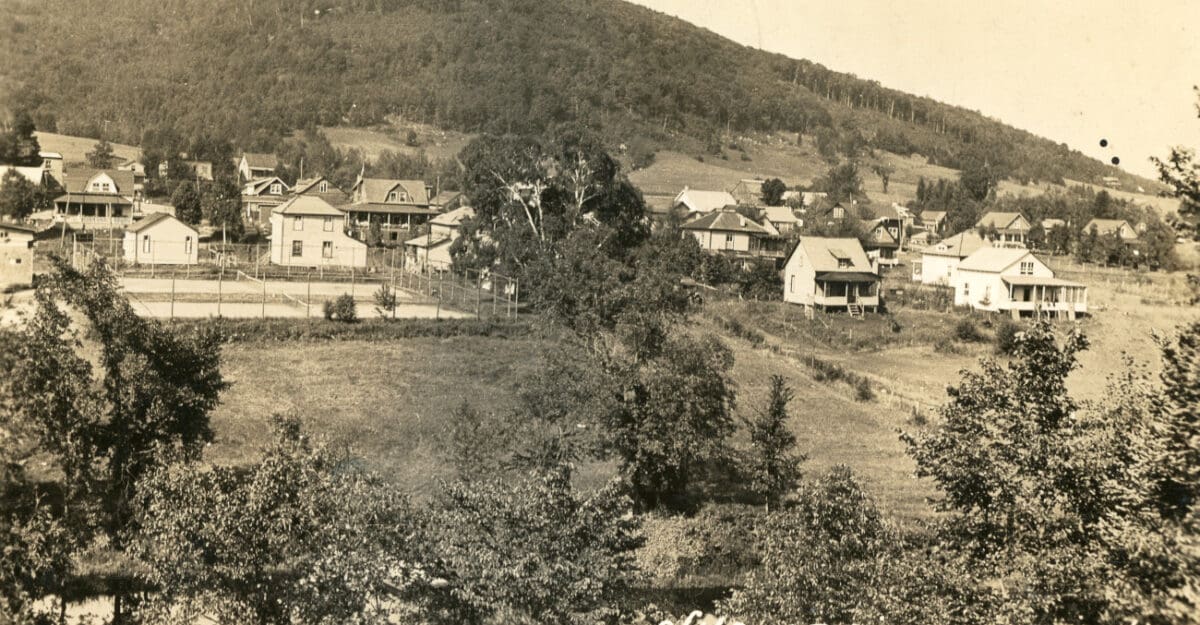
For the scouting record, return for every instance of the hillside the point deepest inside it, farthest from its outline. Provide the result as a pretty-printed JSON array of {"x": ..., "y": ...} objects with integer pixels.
[{"x": 252, "y": 72}]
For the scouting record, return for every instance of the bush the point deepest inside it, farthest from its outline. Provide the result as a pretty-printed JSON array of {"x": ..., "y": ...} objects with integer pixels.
[
  {"x": 966, "y": 331},
  {"x": 946, "y": 346},
  {"x": 341, "y": 309},
  {"x": 862, "y": 390},
  {"x": 385, "y": 300},
  {"x": 257, "y": 330},
  {"x": 1006, "y": 336},
  {"x": 411, "y": 139}
]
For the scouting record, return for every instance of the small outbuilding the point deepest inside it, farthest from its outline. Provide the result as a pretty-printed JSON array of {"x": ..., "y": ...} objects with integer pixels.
[{"x": 161, "y": 239}]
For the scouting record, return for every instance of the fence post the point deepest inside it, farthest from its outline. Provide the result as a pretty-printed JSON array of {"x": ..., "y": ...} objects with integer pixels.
[
  {"x": 220, "y": 280},
  {"x": 438, "y": 314},
  {"x": 264, "y": 298},
  {"x": 256, "y": 259},
  {"x": 516, "y": 297},
  {"x": 308, "y": 298},
  {"x": 352, "y": 281},
  {"x": 172, "y": 295},
  {"x": 395, "y": 301},
  {"x": 478, "y": 292},
  {"x": 493, "y": 296}
]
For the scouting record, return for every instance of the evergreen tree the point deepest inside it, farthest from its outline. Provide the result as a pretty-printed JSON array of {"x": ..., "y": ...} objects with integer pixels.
[
  {"x": 101, "y": 156},
  {"x": 774, "y": 465}
]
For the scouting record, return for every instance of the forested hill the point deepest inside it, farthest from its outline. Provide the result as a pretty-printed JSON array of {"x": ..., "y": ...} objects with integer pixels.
[{"x": 251, "y": 71}]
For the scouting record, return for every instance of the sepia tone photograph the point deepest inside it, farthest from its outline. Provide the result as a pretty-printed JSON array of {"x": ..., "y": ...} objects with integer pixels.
[{"x": 599, "y": 312}]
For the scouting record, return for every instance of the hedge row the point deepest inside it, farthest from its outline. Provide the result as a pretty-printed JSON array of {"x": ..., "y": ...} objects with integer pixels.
[{"x": 252, "y": 330}]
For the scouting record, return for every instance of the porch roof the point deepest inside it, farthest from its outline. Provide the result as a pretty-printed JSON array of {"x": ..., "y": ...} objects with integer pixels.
[
  {"x": 846, "y": 276},
  {"x": 100, "y": 199},
  {"x": 1039, "y": 281}
]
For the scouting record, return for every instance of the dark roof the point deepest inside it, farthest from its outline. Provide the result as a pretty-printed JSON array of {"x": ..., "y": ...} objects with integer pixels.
[
  {"x": 846, "y": 276},
  {"x": 727, "y": 221},
  {"x": 77, "y": 179},
  {"x": 18, "y": 227},
  {"x": 393, "y": 209},
  {"x": 260, "y": 161},
  {"x": 94, "y": 198}
]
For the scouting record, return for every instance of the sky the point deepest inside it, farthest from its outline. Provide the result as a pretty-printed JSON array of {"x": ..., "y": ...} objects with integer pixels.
[{"x": 1075, "y": 71}]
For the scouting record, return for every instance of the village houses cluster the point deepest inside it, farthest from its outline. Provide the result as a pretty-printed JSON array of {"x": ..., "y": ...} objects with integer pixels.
[{"x": 313, "y": 223}]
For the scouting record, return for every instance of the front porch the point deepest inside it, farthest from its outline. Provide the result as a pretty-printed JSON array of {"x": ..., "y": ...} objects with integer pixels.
[
  {"x": 1049, "y": 298},
  {"x": 847, "y": 291},
  {"x": 93, "y": 211}
]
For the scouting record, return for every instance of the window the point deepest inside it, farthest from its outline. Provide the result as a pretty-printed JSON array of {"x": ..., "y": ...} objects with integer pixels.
[
  {"x": 1027, "y": 268},
  {"x": 403, "y": 196},
  {"x": 276, "y": 188},
  {"x": 145, "y": 244},
  {"x": 187, "y": 245},
  {"x": 391, "y": 196},
  {"x": 729, "y": 241},
  {"x": 329, "y": 224},
  {"x": 297, "y": 249},
  {"x": 792, "y": 284},
  {"x": 966, "y": 289},
  {"x": 843, "y": 263},
  {"x": 327, "y": 249},
  {"x": 297, "y": 223},
  {"x": 324, "y": 188}
]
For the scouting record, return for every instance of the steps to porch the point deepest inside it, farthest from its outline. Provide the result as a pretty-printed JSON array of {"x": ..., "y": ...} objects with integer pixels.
[{"x": 856, "y": 310}]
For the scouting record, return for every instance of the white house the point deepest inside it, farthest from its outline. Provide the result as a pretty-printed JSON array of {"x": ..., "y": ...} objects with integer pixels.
[
  {"x": 1014, "y": 281},
  {"x": 691, "y": 202},
  {"x": 161, "y": 239},
  {"x": 781, "y": 218},
  {"x": 307, "y": 231},
  {"x": 1106, "y": 227},
  {"x": 939, "y": 260},
  {"x": 830, "y": 274},
  {"x": 97, "y": 198},
  {"x": 253, "y": 165},
  {"x": 432, "y": 250},
  {"x": 16, "y": 255}
]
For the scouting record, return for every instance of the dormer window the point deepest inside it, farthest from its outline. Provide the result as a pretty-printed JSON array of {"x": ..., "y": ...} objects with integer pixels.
[
  {"x": 324, "y": 187},
  {"x": 276, "y": 188},
  {"x": 843, "y": 263},
  {"x": 391, "y": 196}
]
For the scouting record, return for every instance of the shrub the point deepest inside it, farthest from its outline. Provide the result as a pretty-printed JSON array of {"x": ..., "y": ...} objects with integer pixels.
[
  {"x": 946, "y": 346},
  {"x": 862, "y": 390},
  {"x": 966, "y": 330},
  {"x": 1006, "y": 336},
  {"x": 257, "y": 330},
  {"x": 385, "y": 300},
  {"x": 411, "y": 139},
  {"x": 341, "y": 309}
]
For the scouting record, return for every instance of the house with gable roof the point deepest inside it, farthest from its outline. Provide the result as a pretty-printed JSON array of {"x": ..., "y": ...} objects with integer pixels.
[
  {"x": 938, "y": 261},
  {"x": 97, "y": 199},
  {"x": 831, "y": 274},
  {"x": 261, "y": 196},
  {"x": 1004, "y": 229},
  {"x": 690, "y": 203},
  {"x": 398, "y": 206},
  {"x": 730, "y": 233},
  {"x": 1014, "y": 281},
  {"x": 256, "y": 165},
  {"x": 431, "y": 251},
  {"x": 1108, "y": 227},
  {"x": 307, "y": 231},
  {"x": 161, "y": 239}
]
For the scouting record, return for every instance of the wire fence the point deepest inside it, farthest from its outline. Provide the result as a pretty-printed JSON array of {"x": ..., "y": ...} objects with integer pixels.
[{"x": 242, "y": 282}]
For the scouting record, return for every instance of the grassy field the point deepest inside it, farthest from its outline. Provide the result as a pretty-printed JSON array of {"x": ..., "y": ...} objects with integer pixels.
[
  {"x": 75, "y": 149},
  {"x": 437, "y": 144}
]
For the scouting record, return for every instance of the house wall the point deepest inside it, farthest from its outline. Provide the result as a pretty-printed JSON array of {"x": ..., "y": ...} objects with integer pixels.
[
  {"x": 799, "y": 279},
  {"x": 716, "y": 241},
  {"x": 168, "y": 242},
  {"x": 345, "y": 251},
  {"x": 16, "y": 264},
  {"x": 938, "y": 270}
]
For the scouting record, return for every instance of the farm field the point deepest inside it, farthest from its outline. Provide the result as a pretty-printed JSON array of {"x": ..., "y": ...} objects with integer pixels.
[
  {"x": 437, "y": 144},
  {"x": 75, "y": 149}
]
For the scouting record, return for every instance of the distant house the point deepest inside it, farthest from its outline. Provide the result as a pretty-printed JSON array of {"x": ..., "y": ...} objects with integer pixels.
[
  {"x": 1005, "y": 229},
  {"x": 161, "y": 239},
  {"x": 16, "y": 255},
  {"x": 139, "y": 173},
  {"x": 729, "y": 233},
  {"x": 396, "y": 205},
  {"x": 940, "y": 260},
  {"x": 307, "y": 231},
  {"x": 1107, "y": 227},
  {"x": 831, "y": 274},
  {"x": 692, "y": 202},
  {"x": 446, "y": 201},
  {"x": 203, "y": 170},
  {"x": 881, "y": 241},
  {"x": 1014, "y": 281},
  {"x": 35, "y": 175},
  {"x": 1112, "y": 182},
  {"x": 97, "y": 199},
  {"x": 321, "y": 187},
  {"x": 1050, "y": 224},
  {"x": 252, "y": 166},
  {"x": 260, "y": 197},
  {"x": 781, "y": 218},
  {"x": 432, "y": 250},
  {"x": 934, "y": 222},
  {"x": 748, "y": 191},
  {"x": 52, "y": 163}
]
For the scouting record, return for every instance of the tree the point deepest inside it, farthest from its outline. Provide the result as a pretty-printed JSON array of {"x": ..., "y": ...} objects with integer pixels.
[
  {"x": 18, "y": 196},
  {"x": 1182, "y": 173},
  {"x": 884, "y": 171},
  {"x": 186, "y": 201},
  {"x": 18, "y": 143},
  {"x": 979, "y": 178},
  {"x": 842, "y": 182},
  {"x": 774, "y": 465},
  {"x": 772, "y": 192},
  {"x": 301, "y": 535},
  {"x": 98, "y": 411},
  {"x": 101, "y": 156},
  {"x": 1156, "y": 243},
  {"x": 530, "y": 549},
  {"x": 221, "y": 205},
  {"x": 1058, "y": 239},
  {"x": 1087, "y": 249},
  {"x": 1036, "y": 236}
]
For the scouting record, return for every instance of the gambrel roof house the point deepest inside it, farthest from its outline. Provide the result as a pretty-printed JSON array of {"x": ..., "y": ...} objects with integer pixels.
[
  {"x": 1015, "y": 281},
  {"x": 82, "y": 180},
  {"x": 393, "y": 204},
  {"x": 1120, "y": 227},
  {"x": 97, "y": 197},
  {"x": 695, "y": 201}
]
